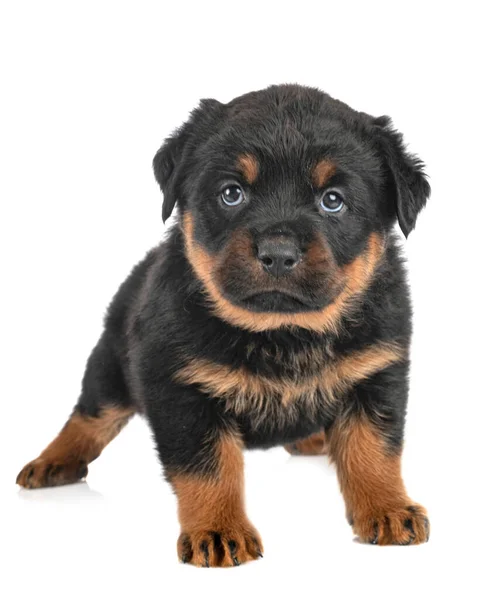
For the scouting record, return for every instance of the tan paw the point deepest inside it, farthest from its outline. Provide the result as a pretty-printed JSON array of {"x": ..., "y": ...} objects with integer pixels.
[
  {"x": 47, "y": 473},
  {"x": 402, "y": 525},
  {"x": 229, "y": 547}
]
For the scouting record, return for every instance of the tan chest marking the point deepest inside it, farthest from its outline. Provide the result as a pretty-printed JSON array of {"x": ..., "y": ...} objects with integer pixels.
[{"x": 246, "y": 390}]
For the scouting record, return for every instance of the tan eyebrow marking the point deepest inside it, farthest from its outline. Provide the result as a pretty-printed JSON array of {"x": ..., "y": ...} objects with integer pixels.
[
  {"x": 248, "y": 165},
  {"x": 323, "y": 171}
]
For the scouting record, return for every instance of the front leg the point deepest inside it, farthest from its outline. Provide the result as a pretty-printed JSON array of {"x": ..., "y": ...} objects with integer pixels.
[
  {"x": 366, "y": 444},
  {"x": 203, "y": 460}
]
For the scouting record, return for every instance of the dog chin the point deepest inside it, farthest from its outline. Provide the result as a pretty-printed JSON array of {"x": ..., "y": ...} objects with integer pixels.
[{"x": 277, "y": 302}]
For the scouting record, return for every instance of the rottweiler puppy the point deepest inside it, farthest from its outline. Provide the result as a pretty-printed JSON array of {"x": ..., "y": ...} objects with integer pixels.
[{"x": 276, "y": 312}]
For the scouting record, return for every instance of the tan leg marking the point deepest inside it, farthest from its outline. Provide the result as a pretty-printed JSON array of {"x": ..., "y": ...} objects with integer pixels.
[
  {"x": 314, "y": 445},
  {"x": 80, "y": 442},
  {"x": 371, "y": 482},
  {"x": 215, "y": 531}
]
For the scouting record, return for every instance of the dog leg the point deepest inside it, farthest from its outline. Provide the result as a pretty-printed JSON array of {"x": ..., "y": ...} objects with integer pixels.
[
  {"x": 367, "y": 452},
  {"x": 314, "y": 445},
  {"x": 201, "y": 453},
  {"x": 215, "y": 530},
  {"x": 80, "y": 442},
  {"x": 102, "y": 411}
]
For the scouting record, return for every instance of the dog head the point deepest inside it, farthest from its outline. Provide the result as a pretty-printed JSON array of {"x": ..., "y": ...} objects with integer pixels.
[{"x": 285, "y": 198}]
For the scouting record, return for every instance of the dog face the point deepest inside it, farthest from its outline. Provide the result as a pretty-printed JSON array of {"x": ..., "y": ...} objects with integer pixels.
[{"x": 286, "y": 197}]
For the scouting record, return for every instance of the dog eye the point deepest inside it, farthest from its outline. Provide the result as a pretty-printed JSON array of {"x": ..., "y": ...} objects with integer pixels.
[
  {"x": 232, "y": 195},
  {"x": 332, "y": 202}
]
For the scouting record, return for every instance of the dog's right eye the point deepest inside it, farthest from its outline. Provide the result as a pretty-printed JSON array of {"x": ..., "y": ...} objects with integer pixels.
[{"x": 232, "y": 195}]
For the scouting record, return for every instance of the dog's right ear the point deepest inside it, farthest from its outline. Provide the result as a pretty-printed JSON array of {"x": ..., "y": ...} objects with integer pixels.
[
  {"x": 173, "y": 152},
  {"x": 165, "y": 163}
]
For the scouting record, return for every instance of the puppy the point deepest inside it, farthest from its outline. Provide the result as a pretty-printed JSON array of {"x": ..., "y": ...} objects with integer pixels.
[{"x": 276, "y": 312}]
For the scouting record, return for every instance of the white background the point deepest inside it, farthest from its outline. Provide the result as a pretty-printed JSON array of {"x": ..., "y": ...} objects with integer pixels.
[{"x": 89, "y": 90}]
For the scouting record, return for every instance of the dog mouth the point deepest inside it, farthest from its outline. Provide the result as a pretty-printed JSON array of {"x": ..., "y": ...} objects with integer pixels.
[{"x": 275, "y": 301}]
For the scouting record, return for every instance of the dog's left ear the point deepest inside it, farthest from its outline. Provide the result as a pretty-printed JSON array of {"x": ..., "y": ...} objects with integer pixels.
[{"x": 408, "y": 180}]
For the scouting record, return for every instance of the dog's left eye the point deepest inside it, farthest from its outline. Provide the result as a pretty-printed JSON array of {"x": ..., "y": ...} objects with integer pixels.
[
  {"x": 232, "y": 195},
  {"x": 332, "y": 202}
]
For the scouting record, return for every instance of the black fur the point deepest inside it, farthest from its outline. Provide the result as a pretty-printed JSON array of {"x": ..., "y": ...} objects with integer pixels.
[
  {"x": 161, "y": 313},
  {"x": 289, "y": 128}
]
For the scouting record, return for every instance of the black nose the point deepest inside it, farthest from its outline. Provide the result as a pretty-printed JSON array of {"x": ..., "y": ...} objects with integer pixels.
[{"x": 278, "y": 255}]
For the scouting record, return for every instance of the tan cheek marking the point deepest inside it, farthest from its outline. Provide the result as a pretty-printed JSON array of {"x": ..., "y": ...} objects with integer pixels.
[
  {"x": 248, "y": 165},
  {"x": 322, "y": 172},
  {"x": 356, "y": 277},
  {"x": 318, "y": 254},
  {"x": 246, "y": 390},
  {"x": 240, "y": 254}
]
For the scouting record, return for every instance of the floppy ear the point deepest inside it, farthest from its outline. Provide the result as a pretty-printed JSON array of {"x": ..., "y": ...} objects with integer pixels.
[
  {"x": 173, "y": 152},
  {"x": 408, "y": 180},
  {"x": 164, "y": 164}
]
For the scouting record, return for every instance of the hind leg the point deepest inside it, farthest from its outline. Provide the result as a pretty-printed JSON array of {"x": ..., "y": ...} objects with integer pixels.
[
  {"x": 314, "y": 445},
  {"x": 101, "y": 412}
]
